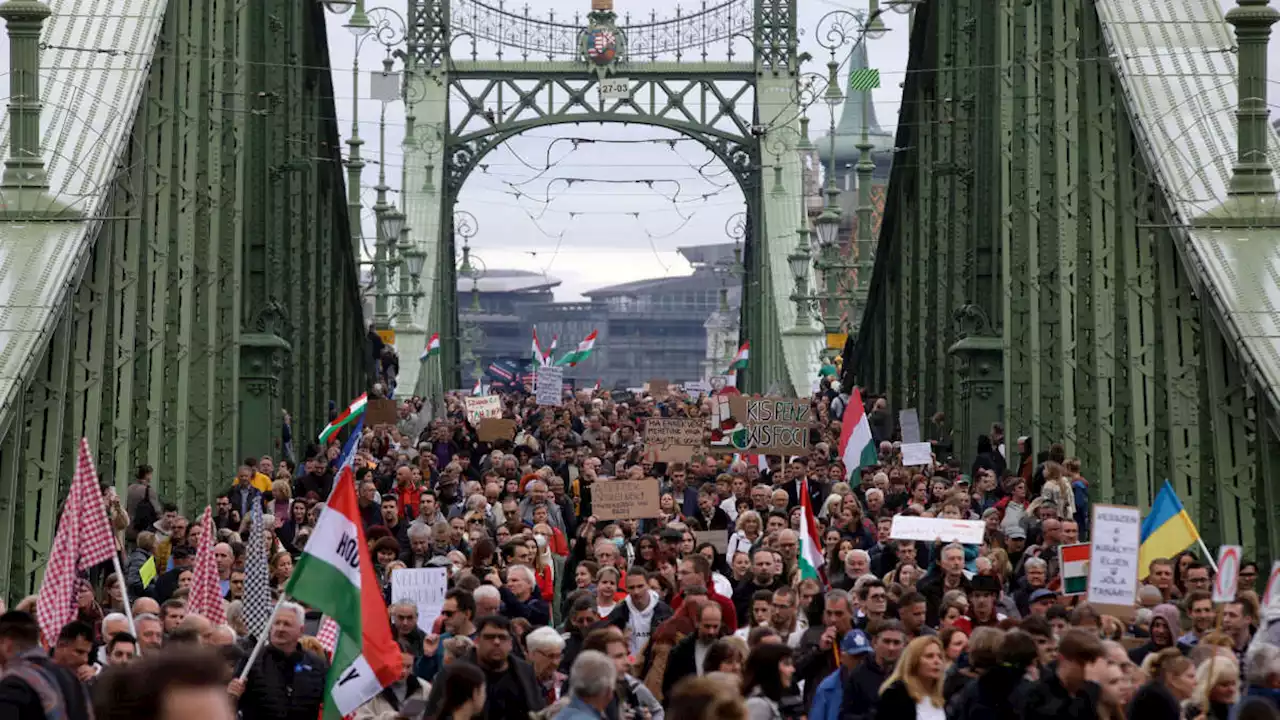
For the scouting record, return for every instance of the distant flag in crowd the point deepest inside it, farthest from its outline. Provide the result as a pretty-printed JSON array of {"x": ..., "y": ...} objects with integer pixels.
[
  {"x": 760, "y": 461},
  {"x": 551, "y": 351},
  {"x": 353, "y": 412},
  {"x": 205, "y": 598},
  {"x": 585, "y": 348},
  {"x": 147, "y": 573},
  {"x": 811, "y": 560},
  {"x": 597, "y": 387},
  {"x": 740, "y": 359},
  {"x": 857, "y": 448},
  {"x": 83, "y": 540},
  {"x": 1166, "y": 531},
  {"x": 539, "y": 357},
  {"x": 257, "y": 590},
  {"x": 335, "y": 575},
  {"x": 328, "y": 635},
  {"x": 432, "y": 348},
  {"x": 478, "y": 390}
]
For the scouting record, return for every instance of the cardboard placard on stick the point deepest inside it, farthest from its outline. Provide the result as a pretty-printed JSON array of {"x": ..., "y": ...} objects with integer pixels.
[
  {"x": 1113, "y": 560},
  {"x": 481, "y": 407},
  {"x": 380, "y": 411},
  {"x": 549, "y": 385},
  {"x": 760, "y": 425},
  {"x": 625, "y": 499},
  {"x": 495, "y": 429},
  {"x": 659, "y": 388},
  {"x": 673, "y": 440}
]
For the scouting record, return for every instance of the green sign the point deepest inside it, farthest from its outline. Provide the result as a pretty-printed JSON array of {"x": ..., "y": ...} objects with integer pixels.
[{"x": 864, "y": 79}]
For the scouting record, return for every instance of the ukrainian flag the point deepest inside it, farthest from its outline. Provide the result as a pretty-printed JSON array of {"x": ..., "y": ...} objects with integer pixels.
[{"x": 1166, "y": 531}]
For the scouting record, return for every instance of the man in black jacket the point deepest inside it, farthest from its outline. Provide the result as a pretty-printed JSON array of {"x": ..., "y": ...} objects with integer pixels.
[
  {"x": 684, "y": 659},
  {"x": 285, "y": 682},
  {"x": 764, "y": 576},
  {"x": 1071, "y": 690},
  {"x": 640, "y": 613},
  {"x": 862, "y": 689},
  {"x": 511, "y": 687},
  {"x": 26, "y": 671}
]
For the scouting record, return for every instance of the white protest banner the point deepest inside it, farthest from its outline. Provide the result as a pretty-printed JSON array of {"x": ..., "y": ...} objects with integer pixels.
[
  {"x": 1113, "y": 556},
  {"x": 1227, "y": 579},
  {"x": 917, "y": 454},
  {"x": 910, "y": 527},
  {"x": 694, "y": 388},
  {"x": 549, "y": 385},
  {"x": 479, "y": 408},
  {"x": 425, "y": 588}
]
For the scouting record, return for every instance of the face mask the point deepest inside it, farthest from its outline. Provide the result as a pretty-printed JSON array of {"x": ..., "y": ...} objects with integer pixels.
[
  {"x": 619, "y": 542},
  {"x": 541, "y": 540}
]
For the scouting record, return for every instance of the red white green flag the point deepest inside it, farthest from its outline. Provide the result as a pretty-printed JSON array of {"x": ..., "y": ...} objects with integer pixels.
[
  {"x": 432, "y": 348},
  {"x": 584, "y": 350},
  {"x": 740, "y": 359},
  {"x": 335, "y": 576},
  {"x": 811, "y": 560},
  {"x": 857, "y": 447},
  {"x": 1075, "y": 568},
  {"x": 353, "y": 412}
]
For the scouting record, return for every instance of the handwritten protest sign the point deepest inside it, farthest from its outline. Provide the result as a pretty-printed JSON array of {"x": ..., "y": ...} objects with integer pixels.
[
  {"x": 917, "y": 454},
  {"x": 495, "y": 429},
  {"x": 625, "y": 499},
  {"x": 425, "y": 588},
  {"x": 479, "y": 408},
  {"x": 380, "y": 411},
  {"x": 909, "y": 421},
  {"x": 659, "y": 388},
  {"x": 718, "y": 539},
  {"x": 760, "y": 425},
  {"x": 549, "y": 385},
  {"x": 1113, "y": 559},
  {"x": 909, "y": 527},
  {"x": 673, "y": 440}
]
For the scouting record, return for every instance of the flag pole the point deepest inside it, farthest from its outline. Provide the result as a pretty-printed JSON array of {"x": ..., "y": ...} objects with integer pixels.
[
  {"x": 262, "y": 639},
  {"x": 1208, "y": 556},
  {"x": 124, "y": 594}
]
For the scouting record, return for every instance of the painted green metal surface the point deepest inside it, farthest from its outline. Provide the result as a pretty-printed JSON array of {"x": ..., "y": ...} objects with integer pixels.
[
  {"x": 215, "y": 285},
  {"x": 1039, "y": 231}
]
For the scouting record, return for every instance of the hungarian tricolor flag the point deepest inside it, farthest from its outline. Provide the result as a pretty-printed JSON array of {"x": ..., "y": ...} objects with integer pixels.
[
  {"x": 432, "y": 348},
  {"x": 551, "y": 351},
  {"x": 539, "y": 357},
  {"x": 478, "y": 390},
  {"x": 583, "y": 352},
  {"x": 335, "y": 575},
  {"x": 857, "y": 449},
  {"x": 354, "y": 412},
  {"x": 1075, "y": 568},
  {"x": 811, "y": 560},
  {"x": 740, "y": 359}
]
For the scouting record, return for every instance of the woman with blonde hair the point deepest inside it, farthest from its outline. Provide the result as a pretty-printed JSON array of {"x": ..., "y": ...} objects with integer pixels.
[
  {"x": 281, "y": 500},
  {"x": 1173, "y": 678},
  {"x": 914, "y": 690},
  {"x": 1217, "y": 688}
]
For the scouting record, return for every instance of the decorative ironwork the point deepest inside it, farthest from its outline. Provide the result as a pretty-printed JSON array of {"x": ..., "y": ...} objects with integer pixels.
[{"x": 697, "y": 32}]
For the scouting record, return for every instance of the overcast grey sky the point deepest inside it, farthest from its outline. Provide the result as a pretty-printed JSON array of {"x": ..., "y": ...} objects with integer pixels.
[{"x": 594, "y": 234}]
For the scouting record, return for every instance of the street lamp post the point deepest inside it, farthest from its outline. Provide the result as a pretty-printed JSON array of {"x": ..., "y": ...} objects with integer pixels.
[{"x": 472, "y": 336}]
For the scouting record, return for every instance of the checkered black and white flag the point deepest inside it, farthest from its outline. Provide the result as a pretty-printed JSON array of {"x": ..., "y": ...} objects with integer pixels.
[{"x": 257, "y": 590}]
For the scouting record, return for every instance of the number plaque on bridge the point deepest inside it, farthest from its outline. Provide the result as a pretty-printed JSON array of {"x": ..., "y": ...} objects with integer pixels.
[{"x": 614, "y": 89}]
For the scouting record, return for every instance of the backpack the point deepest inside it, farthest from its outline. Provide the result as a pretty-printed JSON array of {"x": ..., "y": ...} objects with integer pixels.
[{"x": 145, "y": 515}]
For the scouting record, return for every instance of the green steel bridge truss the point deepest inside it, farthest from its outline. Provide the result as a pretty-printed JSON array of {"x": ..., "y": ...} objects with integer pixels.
[
  {"x": 1038, "y": 265},
  {"x": 213, "y": 284},
  {"x": 461, "y": 106}
]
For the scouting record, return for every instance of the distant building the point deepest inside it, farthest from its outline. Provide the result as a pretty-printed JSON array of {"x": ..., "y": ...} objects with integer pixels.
[{"x": 647, "y": 329}]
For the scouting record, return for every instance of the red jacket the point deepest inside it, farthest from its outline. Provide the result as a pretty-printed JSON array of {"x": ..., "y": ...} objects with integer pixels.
[{"x": 728, "y": 613}]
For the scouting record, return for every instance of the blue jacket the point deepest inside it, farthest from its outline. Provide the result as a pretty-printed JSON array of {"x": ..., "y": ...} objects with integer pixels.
[
  {"x": 827, "y": 699},
  {"x": 578, "y": 710},
  {"x": 1080, "y": 493}
]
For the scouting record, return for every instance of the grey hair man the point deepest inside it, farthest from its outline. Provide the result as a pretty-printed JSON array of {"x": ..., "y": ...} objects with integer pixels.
[
  {"x": 112, "y": 625},
  {"x": 592, "y": 680}
]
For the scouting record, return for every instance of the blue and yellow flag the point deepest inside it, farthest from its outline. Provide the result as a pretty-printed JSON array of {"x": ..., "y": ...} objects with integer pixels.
[{"x": 1166, "y": 531}]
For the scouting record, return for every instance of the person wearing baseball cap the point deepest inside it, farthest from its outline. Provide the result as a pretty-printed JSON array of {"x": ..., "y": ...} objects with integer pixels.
[
  {"x": 854, "y": 646},
  {"x": 1041, "y": 600}
]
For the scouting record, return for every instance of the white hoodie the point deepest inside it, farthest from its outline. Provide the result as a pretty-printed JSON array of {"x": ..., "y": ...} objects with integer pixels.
[{"x": 641, "y": 622}]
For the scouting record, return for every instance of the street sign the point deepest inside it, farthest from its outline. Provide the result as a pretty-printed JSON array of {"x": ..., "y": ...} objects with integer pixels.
[{"x": 615, "y": 89}]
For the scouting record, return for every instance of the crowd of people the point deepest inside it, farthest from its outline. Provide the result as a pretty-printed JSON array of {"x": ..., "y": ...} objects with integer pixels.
[{"x": 703, "y": 612}]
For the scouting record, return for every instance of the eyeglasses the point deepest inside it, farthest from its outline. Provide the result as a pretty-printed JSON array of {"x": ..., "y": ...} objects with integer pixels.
[{"x": 500, "y": 638}]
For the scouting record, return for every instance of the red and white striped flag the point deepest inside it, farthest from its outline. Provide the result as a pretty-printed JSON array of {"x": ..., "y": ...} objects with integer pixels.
[
  {"x": 83, "y": 540},
  {"x": 206, "y": 589},
  {"x": 328, "y": 634}
]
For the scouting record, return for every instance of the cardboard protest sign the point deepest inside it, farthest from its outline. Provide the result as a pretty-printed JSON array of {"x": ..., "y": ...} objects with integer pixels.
[
  {"x": 380, "y": 411},
  {"x": 917, "y": 454},
  {"x": 760, "y": 425},
  {"x": 495, "y": 429},
  {"x": 909, "y": 421},
  {"x": 659, "y": 388},
  {"x": 625, "y": 499},
  {"x": 549, "y": 385},
  {"x": 718, "y": 539},
  {"x": 1113, "y": 559},
  {"x": 425, "y": 588},
  {"x": 479, "y": 408},
  {"x": 673, "y": 440}
]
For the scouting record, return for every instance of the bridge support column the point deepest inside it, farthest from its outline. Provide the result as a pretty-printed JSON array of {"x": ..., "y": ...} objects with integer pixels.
[
  {"x": 979, "y": 369},
  {"x": 262, "y": 360}
]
